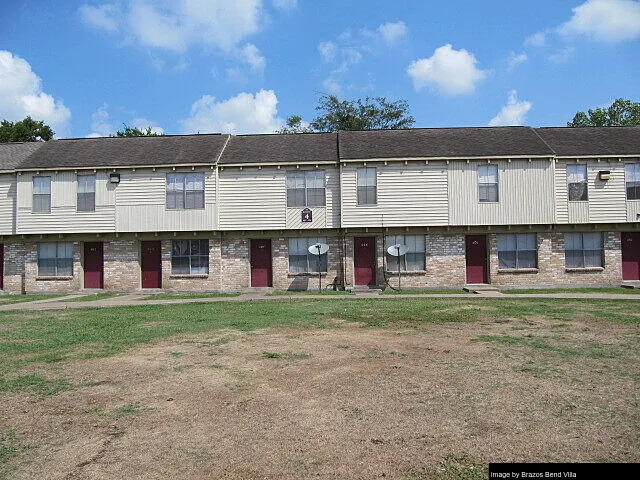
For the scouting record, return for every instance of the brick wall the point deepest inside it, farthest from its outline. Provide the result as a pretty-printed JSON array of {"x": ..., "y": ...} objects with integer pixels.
[
  {"x": 14, "y": 268},
  {"x": 121, "y": 264},
  {"x": 33, "y": 283}
]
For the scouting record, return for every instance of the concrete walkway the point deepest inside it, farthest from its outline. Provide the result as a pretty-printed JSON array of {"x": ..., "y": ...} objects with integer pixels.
[{"x": 138, "y": 299}]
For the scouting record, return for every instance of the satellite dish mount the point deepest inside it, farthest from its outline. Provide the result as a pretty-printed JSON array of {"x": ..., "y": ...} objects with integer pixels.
[
  {"x": 398, "y": 250},
  {"x": 319, "y": 249}
]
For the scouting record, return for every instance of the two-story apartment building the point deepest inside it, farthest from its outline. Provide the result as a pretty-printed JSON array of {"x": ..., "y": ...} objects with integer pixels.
[{"x": 502, "y": 205}]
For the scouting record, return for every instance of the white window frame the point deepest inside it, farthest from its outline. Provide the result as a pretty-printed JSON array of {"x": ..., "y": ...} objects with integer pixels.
[
  {"x": 585, "y": 259},
  {"x": 86, "y": 197},
  {"x": 60, "y": 257},
  {"x": 306, "y": 188},
  {"x": 185, "y": 198},
  {"x": 632, "y": 180},
  {"x": 197, "y": 259},
  {"x": 488, "y": 191},
  {"x": 303, "y": 262},
  {"x": 41, "y": 194},
  {"x": 367, "y": 186},
  {"x": 520, "y": 244},
  {"x": 415, "y": 258},
  {"x": 577, "y": 175}
]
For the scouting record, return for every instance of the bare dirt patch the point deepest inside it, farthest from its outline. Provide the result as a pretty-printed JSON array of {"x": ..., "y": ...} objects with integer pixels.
[{"x": 337, "y": 403}]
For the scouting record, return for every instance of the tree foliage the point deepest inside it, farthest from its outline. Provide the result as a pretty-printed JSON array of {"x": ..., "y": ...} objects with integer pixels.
[
  {"x": 136, "y": 132},
  {"x": 27, "y": 130},
  {"x": 620, "y": 112},
  {"x": 375, "y": 113}
]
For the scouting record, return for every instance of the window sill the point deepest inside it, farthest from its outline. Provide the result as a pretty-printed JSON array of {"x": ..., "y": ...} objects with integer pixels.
[
  {"x": 306, "y": 274},
  {"x": 489, "y": 202},
  {"x": 517, "y": 270},
  {"x": 188, "y": 276},
  {"x": 405, "y": 272},
  {"x": 585, "y": 269},
  {"x": 47, "y": 278},
  {"x": 578, "y": 201},
  {"x": 183, "y": 209}
]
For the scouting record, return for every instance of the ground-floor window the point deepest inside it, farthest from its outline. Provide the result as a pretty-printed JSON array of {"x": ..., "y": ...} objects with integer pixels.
[
  {"x": 413, "y": 260},
  {"x": 583, "y": 250},
  {"x": 190, "y": 257},
  {"x": 300, "y": 260},
  {"x": 517, "y": 250},
  {"x": 55, "y": 259}
]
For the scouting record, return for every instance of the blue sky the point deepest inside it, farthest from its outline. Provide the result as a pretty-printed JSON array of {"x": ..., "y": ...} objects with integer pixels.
[{"x": 243, "y": 66}]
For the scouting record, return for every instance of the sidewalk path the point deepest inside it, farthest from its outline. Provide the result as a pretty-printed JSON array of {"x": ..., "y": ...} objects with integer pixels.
[{"x": 139, "y": 299}]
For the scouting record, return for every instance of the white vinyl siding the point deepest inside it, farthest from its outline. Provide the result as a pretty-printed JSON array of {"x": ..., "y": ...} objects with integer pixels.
[
  {"x": 577, "y": 186},
  {"x": 185, "y": 191},
  {"x": 306, "y": 188},
  {"x": 86, "y": 193},
  {"x": 41, "y": 194},
  {"x": 517, "y": 251},
  {"x": 7, "y": 204},
  {"x": 488, "y": 183},
  {"x": 190, "y": 257},
  {"x": 301, "y": 260},
  {"x": 583, "y": 250},
  {"x": 367, "y": 185},
  {"x": 55, "y": 259},
  {"x": 413, "y": 260}
]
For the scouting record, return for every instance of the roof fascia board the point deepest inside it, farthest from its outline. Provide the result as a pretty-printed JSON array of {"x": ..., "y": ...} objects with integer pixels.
[
  {"x": 573, "y": 157},
  {"x": 278, "y": 164},
  {"x": 116, "y": 167},
  {"x": 422, "y": 159}
]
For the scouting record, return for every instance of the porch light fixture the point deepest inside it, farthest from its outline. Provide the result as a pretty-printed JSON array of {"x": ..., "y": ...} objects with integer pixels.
[
  {"x": 604, "y": 175},
  {"x": 114, "y": 178}
]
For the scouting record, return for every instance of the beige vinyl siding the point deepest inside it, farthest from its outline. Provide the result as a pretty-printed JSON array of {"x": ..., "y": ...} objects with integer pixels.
[
  {"x": 578, "y": 212},
  {"x": 141, "y": 203},
  {"x": 252, "y": 198},
  {"x": 607, "y": 200},
  {"x": 407, "y": 195},
  {"x": 562, "y": 195},
  {"x": 64, "y": 217},
  {"x": 525, "y": 194},
  {"x": 7, "y": 204},
  {"x": 633, "y": 210},
  {"x": 323, "y": 217}
]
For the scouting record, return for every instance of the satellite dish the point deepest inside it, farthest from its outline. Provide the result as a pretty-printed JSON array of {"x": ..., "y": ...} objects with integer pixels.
[
  {"x": 318, "y": 249},
  {"x": 397, "y": 250}
]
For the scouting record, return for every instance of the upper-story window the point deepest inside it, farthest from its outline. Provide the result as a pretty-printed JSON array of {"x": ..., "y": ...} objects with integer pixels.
[
  {"x": 185, "y": 190},
  {"x": 577, "y": 183},
  {"x": 367, "y": 184},
  {"x": 517, "y": 250},
  {"x": 42, "y": 194},
  {"x": 632, "y": 178},
  {"x": 86, "y": 193},
  {"x": 306, "y": 188},
  {"x": 488, "y": 183}
]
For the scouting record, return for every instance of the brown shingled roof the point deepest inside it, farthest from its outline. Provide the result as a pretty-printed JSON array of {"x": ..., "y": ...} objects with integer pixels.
[
  {"x": 129, "y": 151},
  {"x": 577, "y": 141},
  {"x": 281, "y": 148},
  {"x": 11, "y": 154},
  {"x": 442, "y": 143}
]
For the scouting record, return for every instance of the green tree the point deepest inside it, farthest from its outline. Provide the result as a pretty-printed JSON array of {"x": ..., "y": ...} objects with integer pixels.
[
  {"x": 375, "y": 113},
  {"x": 136, "y": 132},
  {"x": 620, "y": 112},
  {"x": 27, "y": 130}
]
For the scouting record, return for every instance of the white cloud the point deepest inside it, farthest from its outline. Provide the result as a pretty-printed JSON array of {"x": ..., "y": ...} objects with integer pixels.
[
  {"x": 327, "y": 50},
  {"x": 392, "y": 31},
  {"x": 285, "y": 4},
  {"x": 563, "y": 55},
  {"x": 178, "y": 24},
  {"x": 143, "y": 124},
  {"x": 106, "y": 16},
  {"x": 513, "y": 113},
  {"x": 21, "y": 95},
  {"x": 100, "y": 124},
  {"x": 331, "y": 86},
  {"x": 244, "y": 113},
  {"x": 449, "y": 71},
  {"x": 252, "y": 56},
  {"x": 516, "y": 59},
  {"x": 605, "y": 20},
  {"x": 538, "y": 39}
]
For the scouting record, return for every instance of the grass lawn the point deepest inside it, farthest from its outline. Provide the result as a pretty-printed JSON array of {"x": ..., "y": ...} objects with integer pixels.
[
  {"x": 177, "y": 296},
  {"x": 92, "y": 297},
  {"x": 10, "y": 299},
  {"x": 415, "y": 388},
  {"x": 618, "y": 290},
  {"x": 280, "y": 293}
]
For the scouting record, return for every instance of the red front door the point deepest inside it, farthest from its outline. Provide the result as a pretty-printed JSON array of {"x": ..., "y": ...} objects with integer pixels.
[
  {"x": 151, "y": 264},
  {"x": 364, "y": 260},
  {"x": 261, "y": 263},
  {"x": 93, "y": 265},
  {"x": 1, "y": 266},
  {"x": 630, "y": 256},
  {"x": 476, "y": 255}
]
